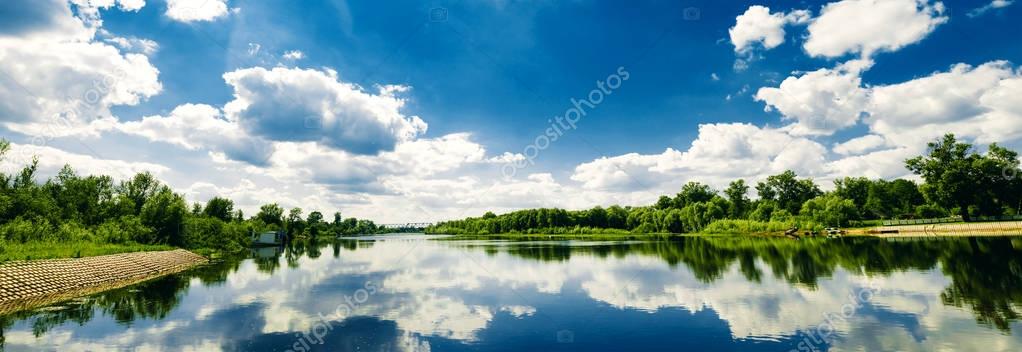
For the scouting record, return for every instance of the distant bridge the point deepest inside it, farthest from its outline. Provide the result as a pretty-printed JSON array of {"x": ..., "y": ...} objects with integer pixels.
[{"x": 409, "y": 225}]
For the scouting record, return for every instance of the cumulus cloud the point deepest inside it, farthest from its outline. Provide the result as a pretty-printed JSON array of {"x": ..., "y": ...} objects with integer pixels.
[
  {"x": 59, "y": 76},
  {"x": 299, "y": 105},
  {"x": 870, "y": 26},
  {"x": 51, "y": 160},
  {"x": 198, "y": 126},
  {"x": 978, "y": 102},
  {"x": 820, "y": 102},
  {"x": 721, "y": 152},
  {"x": 196, "y": 10},
  {"x": 860, "y": 145},
  {"x": 758, "y": 26}
]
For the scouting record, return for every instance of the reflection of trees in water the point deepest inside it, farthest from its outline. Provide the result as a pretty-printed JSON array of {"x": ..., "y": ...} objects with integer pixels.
[
  {"x": 993, "y": 289},
  {"x": 986, "y": 273},
  {"x": 153, "y": 299}
]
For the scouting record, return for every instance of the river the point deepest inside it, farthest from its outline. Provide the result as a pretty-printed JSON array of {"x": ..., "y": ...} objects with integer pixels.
[{"x": 418, "y": 293}]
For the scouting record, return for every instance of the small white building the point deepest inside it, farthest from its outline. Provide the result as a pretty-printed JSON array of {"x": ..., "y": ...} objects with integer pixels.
[{"x": 268, "y": 238}]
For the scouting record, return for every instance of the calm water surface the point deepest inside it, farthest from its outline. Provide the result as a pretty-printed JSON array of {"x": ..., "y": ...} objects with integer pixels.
[{"x": 404, "y": 293}]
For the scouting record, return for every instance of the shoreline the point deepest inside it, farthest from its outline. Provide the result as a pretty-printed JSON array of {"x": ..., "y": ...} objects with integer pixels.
[
  {"x": 29, "y": 284},
  {"x": 999, "y": 228}
]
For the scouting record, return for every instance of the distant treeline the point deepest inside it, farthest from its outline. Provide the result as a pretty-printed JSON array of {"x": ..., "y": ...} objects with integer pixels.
[
  {"x": 957, "y": 181},
  {"x": 74, "y": 208}
]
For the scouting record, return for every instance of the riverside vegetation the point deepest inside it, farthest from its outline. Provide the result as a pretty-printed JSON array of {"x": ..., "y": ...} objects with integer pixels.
[
  {"x": 70, "y": 215},
  {"x": 957, "y": 180}
]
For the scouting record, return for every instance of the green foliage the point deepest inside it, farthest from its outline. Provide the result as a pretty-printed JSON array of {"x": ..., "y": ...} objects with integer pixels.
[
  {"x": 788, "y": 191},
  {"x": 738, "y": 197},
  {"x": 830, "y": 210},
  {"x": 271, "y": 214},
  {"x": 165, "y": 213},
  {"x": 126, "y": 229},
  {"x": 957, "y": 177},
  {"x": 220, "y": 208},
  {"x": 90, "y": 212},
  {"x": 21, "y": 230},
  {"x": 213, "y": 233},
  {"x": 738, "y": 226}
]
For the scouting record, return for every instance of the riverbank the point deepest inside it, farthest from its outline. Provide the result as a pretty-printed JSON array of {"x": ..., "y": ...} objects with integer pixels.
[
  {"x": 1002, "y": 228},
  {"x": 46, "y": 250},
  {"x": 28, "y": 284},
  {"x": 997, "y": 228}
]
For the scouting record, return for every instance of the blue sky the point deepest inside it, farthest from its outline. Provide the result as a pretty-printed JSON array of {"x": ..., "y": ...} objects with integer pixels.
[{"x": 478, "y": 82}]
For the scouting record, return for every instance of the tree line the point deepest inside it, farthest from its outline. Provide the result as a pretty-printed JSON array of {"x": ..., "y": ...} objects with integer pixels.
[
  {"x": 73, "y": 208},
  {"x": 957, "y": 180}
]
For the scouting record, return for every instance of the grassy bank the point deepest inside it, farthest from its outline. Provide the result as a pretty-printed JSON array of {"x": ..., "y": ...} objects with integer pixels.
[{"x": 40, "y": 250}]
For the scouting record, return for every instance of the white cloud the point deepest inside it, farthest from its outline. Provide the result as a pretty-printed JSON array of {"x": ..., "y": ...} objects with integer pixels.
[
  {"x": 294, "y": 55},
  {"x": 285, "y": 104},
  {"x": 975, "y": 102},
  {"x": 860, "y": 145},
  {"x": 59, "y": 77},
  {"x": 720, "y": 153},
  {"x": 870, "y": 26},
  {"x": 995, "y": 4},
  {"x": 51, "y": 160},
  {"x": 820, "y": 102},
  {"x": 199, "y": 126},
  {"x": 196, "y": 10},
  {"x": 758, "y": 26}
]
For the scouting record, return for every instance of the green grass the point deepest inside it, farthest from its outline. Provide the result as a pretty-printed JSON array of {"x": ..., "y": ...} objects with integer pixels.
[{"x": 44, "y": 250}]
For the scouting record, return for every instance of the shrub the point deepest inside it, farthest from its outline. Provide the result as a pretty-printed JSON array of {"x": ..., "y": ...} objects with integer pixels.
[
  {"x": 125, "y": 229},
  {"x": 930, "y": 211},
  {"x": 831, "y": 210},
  {"x": 21, "y": 230},
  {"x": 213, "y": 233},
  {"x": 72, "y": 231}
]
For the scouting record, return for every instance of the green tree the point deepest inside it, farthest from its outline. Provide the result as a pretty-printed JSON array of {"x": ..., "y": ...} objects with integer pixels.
[
  {"x": 789, "y": 191},
  {"x": 947, "y": 169},
  {"x": 220, "y": 208},
  {"x": 830, "y": 210},
  {"x": 140, "y": 188},
  {"x": 693, "y": 192},
  {"x": 737, "y": 195},
  {"x": 165, "y": 212},
  {"x": 295, "y": 224},
  {"x": 271, "y": 214}
]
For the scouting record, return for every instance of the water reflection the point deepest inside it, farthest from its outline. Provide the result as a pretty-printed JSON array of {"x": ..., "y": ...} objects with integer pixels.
[{"x": 718, "y": 293}]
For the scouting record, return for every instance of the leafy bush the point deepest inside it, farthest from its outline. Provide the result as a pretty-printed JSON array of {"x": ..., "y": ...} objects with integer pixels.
[
  {"x": 733, "y": 226},
  {"x": 210, "y": 232},
  {"x": 21, "y": 230},
  {"x": 72, "y": 231},
  {"x": 128, "y": 228},
  {"x": 930, "y": 211},
  {"x": 831, "y": 210}
]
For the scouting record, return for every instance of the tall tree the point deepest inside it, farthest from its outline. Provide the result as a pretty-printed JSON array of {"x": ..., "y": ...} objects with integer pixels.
[
  {"x": 220, "y": 208},
  {"x": 737, "y": 195},
  {"x": 789, "y": 191},
  {"x": 947, "y": 169},
  {"x": 165, "y": 213},
  {"x": 271, "y": 214},
  {"x": 140, "y": 188}
]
